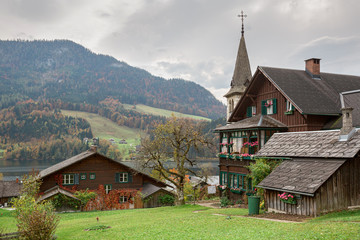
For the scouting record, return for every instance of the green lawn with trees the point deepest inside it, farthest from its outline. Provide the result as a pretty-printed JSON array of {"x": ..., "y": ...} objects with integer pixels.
[{"x": 195, "y": 222}]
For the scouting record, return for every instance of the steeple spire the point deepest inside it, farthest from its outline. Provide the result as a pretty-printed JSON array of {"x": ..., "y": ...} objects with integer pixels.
[
  {"x": 242, "y": 16},
  {"x": 242, "y": 73}
]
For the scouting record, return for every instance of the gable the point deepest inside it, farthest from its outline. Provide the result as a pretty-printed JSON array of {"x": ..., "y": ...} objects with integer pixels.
[
  {"x": 90, "y": 161},
  {"x": 307, "y": 95}
]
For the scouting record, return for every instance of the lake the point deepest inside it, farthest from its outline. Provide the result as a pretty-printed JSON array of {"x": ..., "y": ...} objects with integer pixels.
[{"x": 16, "y": 169}]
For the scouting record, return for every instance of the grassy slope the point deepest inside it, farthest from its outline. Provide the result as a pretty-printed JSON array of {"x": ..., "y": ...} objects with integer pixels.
[
  {"x": 183, "y": 223},
  {"x": 106, "y": 129},
  {"x": 162, "y": 112}
]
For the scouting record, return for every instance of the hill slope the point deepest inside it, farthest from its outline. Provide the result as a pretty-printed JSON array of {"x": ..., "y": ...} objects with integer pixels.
[{"x": 67, "y": 71}]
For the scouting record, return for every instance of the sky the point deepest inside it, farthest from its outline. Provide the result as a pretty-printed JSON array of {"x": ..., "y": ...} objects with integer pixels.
[{"x": 196, "y": 40}]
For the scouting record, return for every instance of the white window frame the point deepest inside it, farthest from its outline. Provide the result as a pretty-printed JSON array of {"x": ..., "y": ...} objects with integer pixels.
[
  {"x": 289, "y": 106},
  {"x": 123, "y": 177},
  {"x": 270, "y": 109},
  {"x": 108, "y": 188},
  {"x": 68, "y": 179},
  {"x": 123, "y": 199},
  {"x": 253, "y": 110}
]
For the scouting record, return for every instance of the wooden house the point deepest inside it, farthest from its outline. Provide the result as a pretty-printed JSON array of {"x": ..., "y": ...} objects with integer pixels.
[
  {"x": 90, "y": 169},
  {"x": 281, "y": 100},
  {"x": 320, "y": 171},
  {"x": 9, "y": 190}
]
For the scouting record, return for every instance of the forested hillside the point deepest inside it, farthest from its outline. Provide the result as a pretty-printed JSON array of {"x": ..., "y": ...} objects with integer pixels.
[{"x": 63, "y": 70}]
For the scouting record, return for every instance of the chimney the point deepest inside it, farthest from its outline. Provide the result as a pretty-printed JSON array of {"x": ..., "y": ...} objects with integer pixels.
[
  {"x": 93, "y": 148},
  {"x": 347, "y": 130},
  {"x": 312, "y": 67}
]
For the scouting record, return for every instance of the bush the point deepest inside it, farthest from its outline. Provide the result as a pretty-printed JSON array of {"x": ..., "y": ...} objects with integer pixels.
[
  {"x": 35, "y": 220},
  {"x": 224, "y": 202},
  {"x": 166, "y": 199}
]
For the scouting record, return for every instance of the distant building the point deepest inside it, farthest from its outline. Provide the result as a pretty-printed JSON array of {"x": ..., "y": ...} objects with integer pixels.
[
  {"x": 9, "y": 190},
  {"x": 89, "y": 170}
]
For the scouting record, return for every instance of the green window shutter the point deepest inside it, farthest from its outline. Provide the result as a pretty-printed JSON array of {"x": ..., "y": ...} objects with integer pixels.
[
  {"x": 263, "y": 108},
  {"x": 130, "y": 179},
  {"x": 274, "y": 106},
  {"x": 117, "y": 177},
  {"x": 76, "y": 178},
  {"x": 292, "y": 107},
  {"x": 220, "y": 180},
  {"x": 249, "y": 112}
]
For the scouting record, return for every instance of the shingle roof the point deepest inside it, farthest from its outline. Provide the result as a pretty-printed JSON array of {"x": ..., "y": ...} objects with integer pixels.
[
  {"x": 300, "y": 175},
  {"x": 312, "y": 96},
  {"x": 149, "y": 189},
  {"x": 318, "y": 144},
  {"x": 10, "y": 189},
  {"x": 66, "y": 163},
  {"x": 56, "y": 190},
  {"x": 257, "y": 121},
  {"x": 81, "y": 156}
]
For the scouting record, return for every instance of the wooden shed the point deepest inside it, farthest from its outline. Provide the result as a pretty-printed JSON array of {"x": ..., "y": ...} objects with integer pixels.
[
  {"x": 9, "y": 190},
  {"x": 322, "y": 173}
]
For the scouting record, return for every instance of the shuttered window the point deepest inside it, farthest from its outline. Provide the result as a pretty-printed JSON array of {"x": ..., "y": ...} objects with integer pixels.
[
  {"x": 68, "y": 179},
  {"x": 269, "y": 106},
  {"x": 251, "y": 111},
  {"x": 123, "y": 177}
]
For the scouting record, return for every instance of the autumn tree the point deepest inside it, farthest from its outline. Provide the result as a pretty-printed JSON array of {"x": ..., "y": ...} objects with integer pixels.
[{"x": 172, "y": 142}]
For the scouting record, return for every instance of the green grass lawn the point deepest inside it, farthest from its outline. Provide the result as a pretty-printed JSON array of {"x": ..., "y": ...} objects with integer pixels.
[
  {"x": 183, "y": 223},
  {"x": 105, "y": 129},
  {"x": 162, "y": 112}
]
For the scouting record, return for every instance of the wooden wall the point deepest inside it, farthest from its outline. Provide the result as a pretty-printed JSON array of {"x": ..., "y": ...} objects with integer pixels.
[
  {"x": 304, "y": 206},
  {"x": 153, "y": 200},
  {"x": 340, "y": 191},
  {"x": 261, "y": 90},
  {"x": 105, "y": 171}
]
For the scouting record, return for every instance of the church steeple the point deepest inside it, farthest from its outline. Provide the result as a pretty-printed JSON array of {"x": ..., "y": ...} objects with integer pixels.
[{"x": 242, "y": 73}]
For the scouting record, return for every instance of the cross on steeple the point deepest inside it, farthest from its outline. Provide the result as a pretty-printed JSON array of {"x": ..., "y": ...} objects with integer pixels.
[{"x": 242, "y": 16}]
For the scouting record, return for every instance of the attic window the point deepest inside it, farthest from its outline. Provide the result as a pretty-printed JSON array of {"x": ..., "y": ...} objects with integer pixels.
[{"x": 268, "y": 106}]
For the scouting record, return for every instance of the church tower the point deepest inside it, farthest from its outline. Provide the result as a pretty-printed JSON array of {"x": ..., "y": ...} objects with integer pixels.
[{"x": 241, "y": 76}]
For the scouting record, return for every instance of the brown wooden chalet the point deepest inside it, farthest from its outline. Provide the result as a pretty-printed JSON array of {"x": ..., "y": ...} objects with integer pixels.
[
  {"x": 282, "y": 100},
  {"x": 322, "y": 173},
  {"x": 89, "y": 170},
  {"x": 9, "y": 190}
]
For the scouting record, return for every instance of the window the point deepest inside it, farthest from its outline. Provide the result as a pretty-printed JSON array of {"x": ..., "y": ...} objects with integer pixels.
[
  {"x": 83, "y": 176},
  {"x": 123, "y": 199},
  {"x": 289, "y": 106},
  {"x": 68, "y": 179},
  {"x": 92, "y": 176},
  {"x": 108, "y": 188},
  {"x": 237, "y": 180},
  {"x": 251, "y": 111},
  {"x": 268, "y": 106},
  {"x": 123, "y": 177},
  {"x": 223, "y": 178}
]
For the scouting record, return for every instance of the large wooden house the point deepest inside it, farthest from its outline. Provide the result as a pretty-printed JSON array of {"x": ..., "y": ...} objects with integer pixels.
[
  {"x": 281, "y": 100},
  {"x": 90, "y": 169}
]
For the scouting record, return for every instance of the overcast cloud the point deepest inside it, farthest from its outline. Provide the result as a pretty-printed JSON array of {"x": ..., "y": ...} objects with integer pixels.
[{"x": 196, "y": 40}]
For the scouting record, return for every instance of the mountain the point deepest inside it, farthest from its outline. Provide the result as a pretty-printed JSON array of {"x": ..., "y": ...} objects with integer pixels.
[{"x": 64, "y": 70}]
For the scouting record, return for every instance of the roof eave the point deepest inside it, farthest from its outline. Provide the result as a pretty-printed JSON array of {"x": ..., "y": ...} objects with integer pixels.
[{"x": 286, "y": 190}]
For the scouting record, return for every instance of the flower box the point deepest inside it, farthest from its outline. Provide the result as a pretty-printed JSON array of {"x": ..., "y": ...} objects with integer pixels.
[
  {"x": 236, "y": 190},
  {"x": 287, "y": 198},
  {"x": 289, "y": 112}
]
